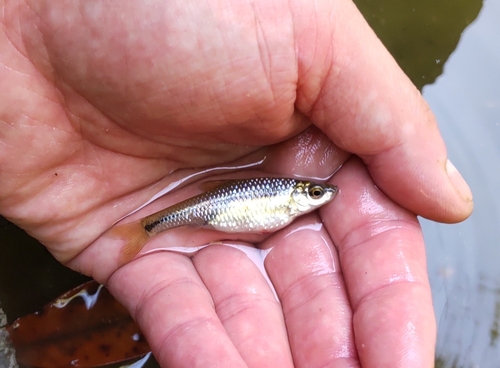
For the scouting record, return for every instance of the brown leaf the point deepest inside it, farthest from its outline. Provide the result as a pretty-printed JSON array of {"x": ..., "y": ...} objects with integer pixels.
[{"x": 84, "y": 327}]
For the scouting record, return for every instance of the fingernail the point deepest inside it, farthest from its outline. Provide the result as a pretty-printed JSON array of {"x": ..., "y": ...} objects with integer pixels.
[{"x": 458, "y": 181}]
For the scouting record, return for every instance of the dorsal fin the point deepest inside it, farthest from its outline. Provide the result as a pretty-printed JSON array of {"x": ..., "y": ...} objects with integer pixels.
[{"x": 212, "y": 184}]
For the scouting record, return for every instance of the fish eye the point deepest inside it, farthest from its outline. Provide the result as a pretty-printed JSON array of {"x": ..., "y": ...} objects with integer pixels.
[{"x": 316, "y": 192}]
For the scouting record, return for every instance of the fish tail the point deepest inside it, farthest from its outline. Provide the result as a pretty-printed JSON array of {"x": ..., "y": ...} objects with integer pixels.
[{"x": 135, "y": 237}]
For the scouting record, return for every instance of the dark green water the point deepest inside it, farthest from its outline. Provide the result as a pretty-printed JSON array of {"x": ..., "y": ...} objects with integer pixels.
[{"x": 420, "y": 34}]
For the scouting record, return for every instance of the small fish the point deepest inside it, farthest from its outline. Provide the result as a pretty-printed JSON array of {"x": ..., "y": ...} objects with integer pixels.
[{"x": 258, "y": 205}]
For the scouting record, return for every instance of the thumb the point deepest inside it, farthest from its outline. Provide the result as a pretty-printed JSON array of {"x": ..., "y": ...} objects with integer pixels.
[{"x": 355, "y": 92}]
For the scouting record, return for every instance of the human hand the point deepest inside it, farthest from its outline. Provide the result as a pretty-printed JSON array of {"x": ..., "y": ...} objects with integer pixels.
[{"x": 99, "y": 104}]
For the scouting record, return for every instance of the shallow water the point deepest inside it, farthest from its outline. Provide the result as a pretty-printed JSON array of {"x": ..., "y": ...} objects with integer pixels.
[
  {"x": 420, "y": 34},
  {"x": 463, "y": 258}
]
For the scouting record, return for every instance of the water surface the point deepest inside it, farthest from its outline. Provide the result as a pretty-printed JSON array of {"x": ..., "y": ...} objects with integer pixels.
[{"x": 464, "y": 258}]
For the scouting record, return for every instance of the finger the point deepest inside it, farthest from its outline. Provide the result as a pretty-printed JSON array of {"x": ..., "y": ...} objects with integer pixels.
[
  {"x": 304, "y": 268},
  {"x": 245, "y": 305},
  {"x": 354, "y": 91},
  {"x": 310, "y": 154},
  {"x": 383, "y": 260},
  {"x": 172, "y": 306}
]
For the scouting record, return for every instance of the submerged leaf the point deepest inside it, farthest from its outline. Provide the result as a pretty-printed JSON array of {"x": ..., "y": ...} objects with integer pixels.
[{"x": 84, "y": 327}]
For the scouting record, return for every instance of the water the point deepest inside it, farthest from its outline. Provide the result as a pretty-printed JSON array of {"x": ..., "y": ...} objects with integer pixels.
[
  {"x": 463, "y": 258},
  {"x": 420, "y": 34}
]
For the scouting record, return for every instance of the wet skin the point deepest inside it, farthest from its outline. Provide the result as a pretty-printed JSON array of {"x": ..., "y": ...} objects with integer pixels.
[{"x": 101, "y": 107}]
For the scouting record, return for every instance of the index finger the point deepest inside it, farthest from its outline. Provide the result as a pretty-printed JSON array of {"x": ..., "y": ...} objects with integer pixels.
[{"x": 354, "y": 91}]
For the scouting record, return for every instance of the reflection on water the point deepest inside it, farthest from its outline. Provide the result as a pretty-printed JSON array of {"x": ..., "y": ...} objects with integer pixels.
[
  {"x": 420, "y": 34},
  {"x": 464, "y": 258}
]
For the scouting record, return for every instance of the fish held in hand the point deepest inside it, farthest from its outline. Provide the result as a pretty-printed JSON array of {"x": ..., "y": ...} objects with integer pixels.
[{"x": 257, "y": 205}]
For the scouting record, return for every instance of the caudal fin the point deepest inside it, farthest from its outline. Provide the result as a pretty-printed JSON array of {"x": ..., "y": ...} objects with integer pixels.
[{"x": 134, "y": 236}]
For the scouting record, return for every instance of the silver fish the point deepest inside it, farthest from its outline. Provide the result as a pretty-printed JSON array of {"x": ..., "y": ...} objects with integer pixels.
[{"x": 257, "y": 205}]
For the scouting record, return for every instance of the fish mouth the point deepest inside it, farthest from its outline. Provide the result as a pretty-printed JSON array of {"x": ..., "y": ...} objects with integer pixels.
[
  {"x": 331, "y": 192},
  {"x": 333, "y": 189}
]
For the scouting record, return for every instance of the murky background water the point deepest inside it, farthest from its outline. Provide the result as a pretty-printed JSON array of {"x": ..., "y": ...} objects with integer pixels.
[
  {"x": 462, "y": 85},
  {"x": 464, "y": 259}
]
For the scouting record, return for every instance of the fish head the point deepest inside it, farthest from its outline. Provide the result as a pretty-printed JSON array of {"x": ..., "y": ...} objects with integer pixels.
[{"x": 307, "y": 196}]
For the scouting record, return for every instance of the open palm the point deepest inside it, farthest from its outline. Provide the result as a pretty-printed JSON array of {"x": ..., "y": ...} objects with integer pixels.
[{"x": 103, "y": 104}]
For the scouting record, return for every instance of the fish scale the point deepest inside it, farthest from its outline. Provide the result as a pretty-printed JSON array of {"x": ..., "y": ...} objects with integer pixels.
[
  {"x": 256, "y": 205},
  {"x": 252, "y": 205}
]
